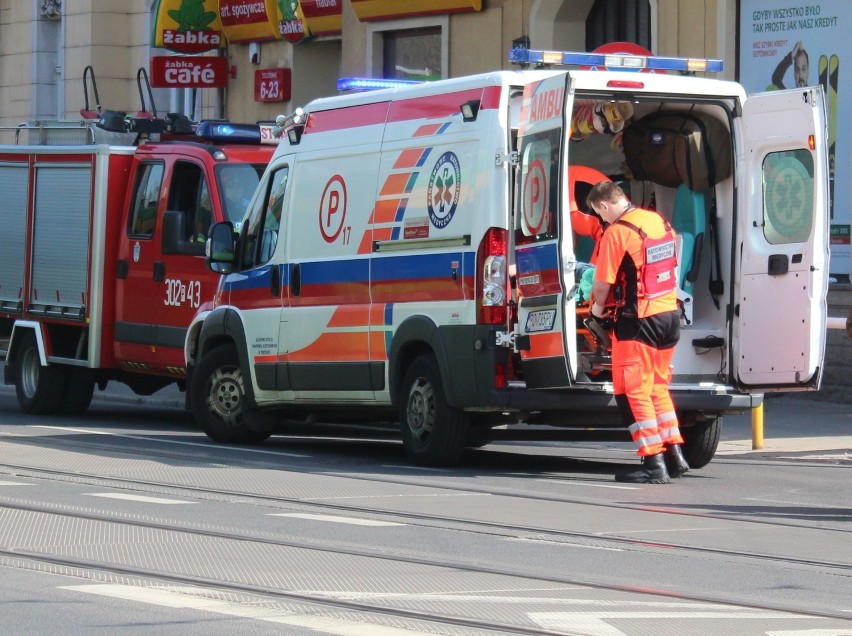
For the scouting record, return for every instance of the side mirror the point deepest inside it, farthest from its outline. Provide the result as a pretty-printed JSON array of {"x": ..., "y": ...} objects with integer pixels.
[{"x": 220, "y": 248}]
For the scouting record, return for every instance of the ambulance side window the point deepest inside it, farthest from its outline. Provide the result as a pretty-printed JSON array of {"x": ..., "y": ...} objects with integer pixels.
[
  {"x": 788, "y": 196},
  {"x": 263, "y": 226},
  {"x": 149, "y": 179}
]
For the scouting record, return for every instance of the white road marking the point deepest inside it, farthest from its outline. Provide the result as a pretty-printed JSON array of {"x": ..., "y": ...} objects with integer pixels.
[
  {"x": 594, "y": 623},
  {"x": 13, "y": 483},
  {"x": 139, "y": 498},
  {"x": 335, "y": 519},
  {"x": 812, "y": 632},
  {"x": 587, "y": 483},
  {"x": 189, "y": 599},
  {"x": 162, "y": 440},
  {"x": 564, "y": 544}
]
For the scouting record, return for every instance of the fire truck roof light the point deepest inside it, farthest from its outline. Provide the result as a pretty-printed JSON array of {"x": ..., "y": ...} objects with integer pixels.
[
  {"x": 371, "y": 83},
  {"x": 223, "y": 132},
  {"x": 614, "y": 61}
]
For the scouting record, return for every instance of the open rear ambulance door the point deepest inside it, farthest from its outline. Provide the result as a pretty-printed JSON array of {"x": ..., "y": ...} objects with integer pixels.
[
  {"x": 780, "y": 304},
  {"x": 544, "y": 251}
]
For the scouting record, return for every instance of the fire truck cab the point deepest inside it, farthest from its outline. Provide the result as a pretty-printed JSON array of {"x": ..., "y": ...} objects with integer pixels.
[
  {"x": 419, "y": 252},
  {"x": 102, "y": 266}
]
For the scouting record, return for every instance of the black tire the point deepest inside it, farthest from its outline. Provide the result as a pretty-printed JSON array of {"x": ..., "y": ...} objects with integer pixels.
[
  {"x": 701, "y": 441},
  {"x": 219, "y": 401},
  {"x": 39, "y": 389},
  {"x": 433, "y": 432},
  {"x": 79, "y": 389}
]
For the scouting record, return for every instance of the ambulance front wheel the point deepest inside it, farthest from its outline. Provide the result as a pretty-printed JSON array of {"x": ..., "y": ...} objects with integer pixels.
[
  {"x": 701, "y": 441},
  {"x": 39, "y": 388},
  {"x": 219, "y": 401},
  {"x": 433, "y": 432}
]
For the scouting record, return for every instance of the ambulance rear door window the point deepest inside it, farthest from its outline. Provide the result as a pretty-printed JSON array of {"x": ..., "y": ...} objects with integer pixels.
[{"x": 788, "y": 196}]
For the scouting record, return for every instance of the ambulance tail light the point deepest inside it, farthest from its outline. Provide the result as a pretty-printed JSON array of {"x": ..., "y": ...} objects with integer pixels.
[{"x": 492, "y": 278}]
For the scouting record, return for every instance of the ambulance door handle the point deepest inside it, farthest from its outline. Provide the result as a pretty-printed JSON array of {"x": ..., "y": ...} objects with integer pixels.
[
  {"x": 159, "y": 271},
  {"x": 275, "y": 281},
  {"x": 296, "y": 280}
]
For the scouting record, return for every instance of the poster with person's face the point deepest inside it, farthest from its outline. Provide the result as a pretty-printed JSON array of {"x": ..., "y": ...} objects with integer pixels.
[{"x": 785, "y": 44}]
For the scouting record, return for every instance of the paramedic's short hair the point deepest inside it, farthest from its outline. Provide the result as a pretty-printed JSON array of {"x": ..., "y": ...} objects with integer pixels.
[{"x": 604, "y": 191}]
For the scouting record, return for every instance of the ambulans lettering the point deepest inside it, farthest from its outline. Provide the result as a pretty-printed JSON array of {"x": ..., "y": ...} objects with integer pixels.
[
  {"x": 179, "y": 293},
  {"x": 332, "y": 210},
  {"x": 444, "y": 188},
  {"x": 546, "y": 105}
]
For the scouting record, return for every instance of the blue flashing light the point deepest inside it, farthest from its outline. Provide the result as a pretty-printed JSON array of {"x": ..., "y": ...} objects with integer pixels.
[
  {"x": 371, "y": 83},
  {"x": 223, "y": 132},
  {"x": 614, "y": 61}
]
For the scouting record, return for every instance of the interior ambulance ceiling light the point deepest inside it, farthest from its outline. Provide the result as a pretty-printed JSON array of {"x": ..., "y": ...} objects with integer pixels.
[
  {"x": 614, "y": 61},
  {"x": 371, "y": 83}
]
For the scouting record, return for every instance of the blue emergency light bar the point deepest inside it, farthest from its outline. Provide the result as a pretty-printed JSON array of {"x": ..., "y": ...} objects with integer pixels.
[
  {"x": 617, "y": 61},
  {"x": 371, "y": 83},
  {"x": 223, "y": 132}
]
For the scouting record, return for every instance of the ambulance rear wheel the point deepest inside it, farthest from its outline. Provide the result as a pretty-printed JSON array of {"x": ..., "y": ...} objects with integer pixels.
[
  {"x": 219, "y": 401},
  {"x": 39, "y": 389},
  {"x": 700, "y": 442},
  {"x": 433, "y": 432}
]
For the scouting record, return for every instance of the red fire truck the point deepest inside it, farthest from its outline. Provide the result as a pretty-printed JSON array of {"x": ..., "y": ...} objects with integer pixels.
[{"x": 102, "y": 266}]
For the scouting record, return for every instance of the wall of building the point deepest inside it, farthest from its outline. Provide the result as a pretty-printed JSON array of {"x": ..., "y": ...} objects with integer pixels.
[{"x": 113, "y": 37}]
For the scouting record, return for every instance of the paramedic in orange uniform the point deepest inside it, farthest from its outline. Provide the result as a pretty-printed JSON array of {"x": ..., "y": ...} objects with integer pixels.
[{"x": 636, "y": 262}]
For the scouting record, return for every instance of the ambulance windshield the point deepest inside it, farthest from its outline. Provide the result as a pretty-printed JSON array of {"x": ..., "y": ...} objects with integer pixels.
[{"x": 237, "y": 183}]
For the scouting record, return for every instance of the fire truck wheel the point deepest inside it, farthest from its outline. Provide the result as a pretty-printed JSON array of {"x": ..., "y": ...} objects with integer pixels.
[
  {"x": 433, "y": 432},
  {"x": 79, "y": 389},
  {"x": 701, "y": 441},
  {"x": 39, "y": 389},
  {"x": 219, "y": 400}
]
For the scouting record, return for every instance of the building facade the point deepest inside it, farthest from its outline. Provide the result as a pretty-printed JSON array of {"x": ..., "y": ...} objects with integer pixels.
[{"x": 47, "y": 45}]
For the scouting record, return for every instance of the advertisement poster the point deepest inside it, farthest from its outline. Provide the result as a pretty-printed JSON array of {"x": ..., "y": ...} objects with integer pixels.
[{"x": 784, "y": 44}]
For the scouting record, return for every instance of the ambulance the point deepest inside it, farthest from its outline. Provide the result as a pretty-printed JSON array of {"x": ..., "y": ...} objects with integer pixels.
[
  {"x": 102, "y": 266},
  {"x": 416, "y": 253}
]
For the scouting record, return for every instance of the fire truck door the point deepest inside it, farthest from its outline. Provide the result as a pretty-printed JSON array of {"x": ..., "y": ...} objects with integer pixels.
[
  {"x": 157, "y": 293},
  {"x": 780, "y": 303},
  {"x": 544, "y": 251}
]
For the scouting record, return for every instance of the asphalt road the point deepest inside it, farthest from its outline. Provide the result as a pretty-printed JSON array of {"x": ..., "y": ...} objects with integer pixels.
[{"x": 129, "y": 519}]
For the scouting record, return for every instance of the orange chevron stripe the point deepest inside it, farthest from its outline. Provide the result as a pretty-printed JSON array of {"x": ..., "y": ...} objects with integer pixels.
[
  {"x": 385, "y": 211},
  {"x": 395, "y": 184},
  {"x": 427, "y": 130},
  {"x": 408, "y": 158}
]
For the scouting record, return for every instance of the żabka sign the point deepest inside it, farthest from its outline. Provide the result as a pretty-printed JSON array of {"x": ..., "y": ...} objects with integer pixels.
[
  {"x": 189, "y": 72},
  {"x": 187, "y": 26}
]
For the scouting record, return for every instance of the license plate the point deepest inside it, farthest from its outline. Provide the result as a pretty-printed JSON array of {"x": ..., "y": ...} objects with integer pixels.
[{"x": 540, "y": 320}]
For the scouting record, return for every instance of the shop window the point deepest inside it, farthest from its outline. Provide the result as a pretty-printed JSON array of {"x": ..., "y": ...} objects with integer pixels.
[
  {"x": 413, "y": 49},
  {"x": 412, "y": 54}
]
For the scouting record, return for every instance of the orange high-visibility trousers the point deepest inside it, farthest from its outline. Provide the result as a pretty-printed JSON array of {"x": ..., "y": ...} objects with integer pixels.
[{"x": 641, "y": 374}]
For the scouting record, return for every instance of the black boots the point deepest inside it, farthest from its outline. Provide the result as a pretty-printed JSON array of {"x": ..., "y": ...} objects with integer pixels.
[
  {"x": 653, "y": 471},
  {"x": 675, "y": 462}
]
